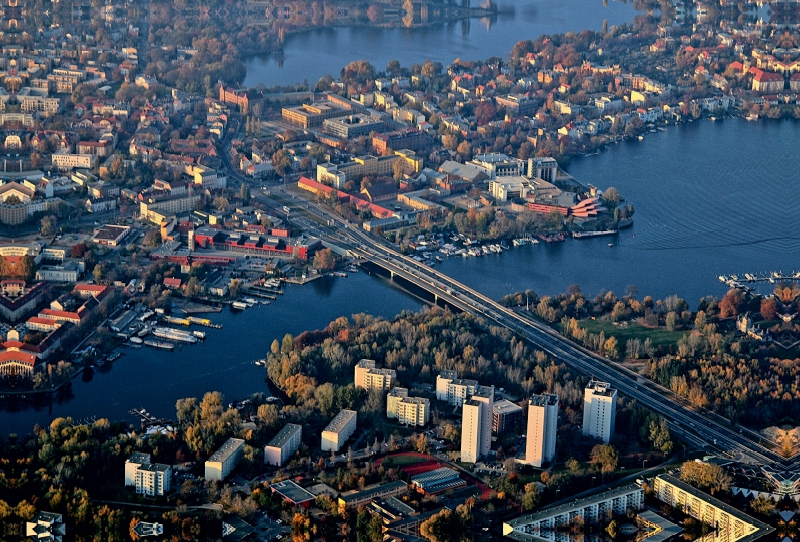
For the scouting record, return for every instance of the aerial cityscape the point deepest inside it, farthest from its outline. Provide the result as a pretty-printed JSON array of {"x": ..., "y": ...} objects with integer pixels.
[{"x": 399, "y": 271}]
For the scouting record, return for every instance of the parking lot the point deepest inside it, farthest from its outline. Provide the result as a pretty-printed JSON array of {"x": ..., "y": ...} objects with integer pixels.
[{"x": 266, "y": 528}]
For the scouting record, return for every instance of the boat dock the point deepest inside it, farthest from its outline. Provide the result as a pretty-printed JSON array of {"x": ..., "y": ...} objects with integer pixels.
[
  {"x": 738, "y": 281},
  {"x": 257, "y": 293}
]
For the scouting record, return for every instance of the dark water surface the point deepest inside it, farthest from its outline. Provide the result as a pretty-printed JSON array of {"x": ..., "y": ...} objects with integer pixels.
[
  {"x": 711, "y": 198},
  {"x": 316, "y": 53}
]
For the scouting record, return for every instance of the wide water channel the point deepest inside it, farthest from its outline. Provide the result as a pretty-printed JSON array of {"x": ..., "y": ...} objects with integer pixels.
[
  {"x": 711, "y": 198},
  {"x": 316, "y": 53}
]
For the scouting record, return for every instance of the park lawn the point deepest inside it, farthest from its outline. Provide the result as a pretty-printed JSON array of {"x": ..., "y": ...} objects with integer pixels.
[{"x": 659, "y": 336}]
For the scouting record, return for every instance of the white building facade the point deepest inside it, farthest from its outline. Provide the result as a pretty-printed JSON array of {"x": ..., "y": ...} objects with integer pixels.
[
  {"x": 599, "y": 410},
  {"x": 540, "y": 444}
]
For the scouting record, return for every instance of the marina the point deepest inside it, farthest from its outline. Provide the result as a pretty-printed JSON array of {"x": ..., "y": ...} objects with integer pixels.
[{"x": 738, "y": 281}]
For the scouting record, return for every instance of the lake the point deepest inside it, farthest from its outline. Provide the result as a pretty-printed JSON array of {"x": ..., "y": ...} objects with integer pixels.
[
  {"x": 711, "y": 198},
  {"x": 316, "y": 53}
]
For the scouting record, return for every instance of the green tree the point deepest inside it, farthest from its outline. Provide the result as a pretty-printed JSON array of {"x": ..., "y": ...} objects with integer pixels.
[
  {"x": 530, "y": 498},
  {"x": 606, "y": 457}
]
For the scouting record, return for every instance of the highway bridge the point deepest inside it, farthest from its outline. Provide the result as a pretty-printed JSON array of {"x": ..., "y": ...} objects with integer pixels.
[{"x": 697, "y": 426}]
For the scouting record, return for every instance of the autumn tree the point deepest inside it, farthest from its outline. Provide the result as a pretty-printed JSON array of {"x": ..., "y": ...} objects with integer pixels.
[
  {"x": 706, "y": 476},
  {"x": 730, "y": 304},
  {"x": 324, "y": 259},
  {"x": 769, "y": 309},
  {"x": 606, "y": 457}
]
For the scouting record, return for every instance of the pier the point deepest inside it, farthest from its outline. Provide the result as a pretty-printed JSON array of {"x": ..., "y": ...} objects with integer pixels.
[{"x": 739, "y": 281}]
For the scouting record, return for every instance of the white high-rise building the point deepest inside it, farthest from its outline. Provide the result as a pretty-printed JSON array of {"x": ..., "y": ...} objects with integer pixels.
[
  {"x": 368, "y": 377},
  {"x": 540, "y": 444},
  {"x": 413, "y": 411},
  {"x": 443, "y": 380},
  {"x": 476, "y": 425},
  {"x": 599, "y": 410}
]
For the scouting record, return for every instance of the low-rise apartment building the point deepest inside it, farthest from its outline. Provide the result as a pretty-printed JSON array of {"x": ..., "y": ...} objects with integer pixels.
[
  {"x": 339, "y": 430},
  {"x": 224, "y": 460},
  {"x": 283, "y": 445}
]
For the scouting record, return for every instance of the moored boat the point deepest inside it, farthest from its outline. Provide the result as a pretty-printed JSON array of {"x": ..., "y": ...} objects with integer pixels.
[{"x": 162, "y": 345}]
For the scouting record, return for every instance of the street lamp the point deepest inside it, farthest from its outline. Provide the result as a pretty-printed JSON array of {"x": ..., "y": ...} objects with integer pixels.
[
  {"x": 643, "y": 462},
  {"x": 593, "y": 479},
  {"x": 684, "y": 449}
]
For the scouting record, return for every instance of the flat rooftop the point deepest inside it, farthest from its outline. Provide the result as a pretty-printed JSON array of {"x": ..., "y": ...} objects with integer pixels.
[
  {"x": 601, "y": 388},
  {"x": 341, "y": 420},
  {"x": 227, "y": 449},
  {"x": 374, "y": 491},
  {"x": 551, "y": 511},
  {"x": 284, "y": 435},
  {"x": 505, "y": 407},
  {"x": 291, "y": 491},
  {"x": 545, "y": 399}
]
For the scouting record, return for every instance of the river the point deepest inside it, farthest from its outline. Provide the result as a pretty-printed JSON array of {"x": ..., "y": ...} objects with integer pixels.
[
  {"x": 316, "y": 53},
  {"x": 155, "y": 379},
  {"x": 711, "y": 198}
]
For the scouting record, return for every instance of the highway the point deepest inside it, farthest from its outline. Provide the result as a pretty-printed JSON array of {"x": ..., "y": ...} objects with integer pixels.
[{"x": 695, "y": 426}]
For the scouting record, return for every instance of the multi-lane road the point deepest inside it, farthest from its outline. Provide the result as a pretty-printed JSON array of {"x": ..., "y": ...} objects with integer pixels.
[{"x": 693, "y": 425}]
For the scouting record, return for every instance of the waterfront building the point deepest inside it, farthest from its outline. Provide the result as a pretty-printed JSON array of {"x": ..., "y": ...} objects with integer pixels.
[
  {"x": 355, "y": 499},
  {"x": 506, "y": 416},
  {"x": 730, "y": 524},
  {"x": 224, "y": 460},
  {"x": 153, "y": 479},
  {"x": 283, "y": 445},
  {"x": 476, "y": 425},
  {"x": 544, "y": 168},
  {"x": 498, "y": 165},
  {"x": 617, "y": 501},
  {"x": 132, "y": 464},
  {"x": 540, "y": 444},
  {"x": 413, "y": 411},
  {"x": 599, "y": 410},
  {"x": 368, "y": 377},
  {"x": 339, "y": 430},
  {"x": 393, "y": 398},
  {"x": 46, "y": 526}
]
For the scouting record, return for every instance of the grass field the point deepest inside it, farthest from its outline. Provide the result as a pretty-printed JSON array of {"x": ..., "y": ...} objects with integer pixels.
[
  {"x": 404, "y": 460},
  {"x": 659, "y": 336}
]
